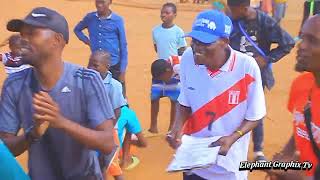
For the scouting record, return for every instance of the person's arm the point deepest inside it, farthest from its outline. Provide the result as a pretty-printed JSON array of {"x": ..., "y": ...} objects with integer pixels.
[
  {"x": 245, "y": 127},
  {"x": 100, "y": 138},
  {"x": 116, "y": 97},
  {"x": 117, "y": 113},
  {"x": 154, "y": 40},
  {"x": 155, "y": 48},
  {"x": 182, "y": 43},
  {"x": 10, "y": 123},
  {"x": 16, "y": 144},
  {"x": 181, "y": 51},
  {"x": 280, "y": 37},
  {"x": 174, "y": 136},
  {"x": 126, "y": 149},
  {"x": 227, "y": 141},
  {"x": 98, "y": 134},
  {"x": 183, "y": 109},
  {"x": 133, "y": 126},
  {"x": 123, "y": 48},
  {"x": 78, "y": 30},
  {"x": 19, "y": 144},
  {"x": 256, "y": 109}
]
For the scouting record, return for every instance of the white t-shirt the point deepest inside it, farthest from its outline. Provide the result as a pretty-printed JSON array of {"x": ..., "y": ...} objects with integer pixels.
[{"x": 233, "y": 93}]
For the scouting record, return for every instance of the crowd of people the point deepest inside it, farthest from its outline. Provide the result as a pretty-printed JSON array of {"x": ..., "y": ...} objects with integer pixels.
[{"x": 77, "y": 122}]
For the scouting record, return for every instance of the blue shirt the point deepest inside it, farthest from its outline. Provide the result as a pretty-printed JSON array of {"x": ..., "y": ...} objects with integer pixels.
[
  {"x": 105, "y": 34},
  {"x": 114, "y": 90},
  {"x": 127, "y": 122},
  {"x": 82, "y": 99},
  {"x": 168, "y": 41}
]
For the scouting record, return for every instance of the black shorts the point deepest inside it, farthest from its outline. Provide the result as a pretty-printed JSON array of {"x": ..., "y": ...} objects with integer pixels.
[{"x": 306, "y": 10}]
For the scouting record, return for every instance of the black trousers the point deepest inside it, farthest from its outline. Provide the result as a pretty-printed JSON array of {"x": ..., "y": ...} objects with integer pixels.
[{"x": 115, "y": 70}]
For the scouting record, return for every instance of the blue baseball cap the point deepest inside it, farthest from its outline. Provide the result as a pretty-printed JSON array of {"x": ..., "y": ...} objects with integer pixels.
[
  {"x": 210, "y": 25},
  {"x": 42, "y": 17}
]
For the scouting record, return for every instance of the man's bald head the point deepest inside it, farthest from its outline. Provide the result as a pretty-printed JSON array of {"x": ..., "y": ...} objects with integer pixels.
[
  {"x": 100, "y": 61},
  {"x": 101, "y": 56}
]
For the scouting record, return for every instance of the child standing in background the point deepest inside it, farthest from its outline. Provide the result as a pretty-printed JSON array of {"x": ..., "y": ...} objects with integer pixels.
[
  {"x": 100, "y": 61},
  {"x": 168, "y": 40},
  {"x": 126, "y": 121},
  {"x": 279, "y": 9},
  {"x": 166, "y": 83},
  {"x": 12, "y": 60}
]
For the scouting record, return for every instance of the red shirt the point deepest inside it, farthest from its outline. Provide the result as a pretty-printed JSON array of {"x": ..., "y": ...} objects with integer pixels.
[{"x": 302, "y": 88}]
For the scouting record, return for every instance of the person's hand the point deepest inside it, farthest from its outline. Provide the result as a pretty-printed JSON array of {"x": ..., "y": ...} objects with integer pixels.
[
  {"x": 122, "y": 77},
  {"x": 39, "y": 129},
  {"x": 261, "y": 61},
  {"x": 174, "y": 138},
  {"x": 225, "y": 142},
  {"x": 47, "y": 110}
]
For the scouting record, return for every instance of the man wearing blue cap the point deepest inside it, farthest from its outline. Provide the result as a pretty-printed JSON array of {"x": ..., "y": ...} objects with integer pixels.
[
  {"x": 63, "y": 108},
  {"x": 221, "y": 95}
]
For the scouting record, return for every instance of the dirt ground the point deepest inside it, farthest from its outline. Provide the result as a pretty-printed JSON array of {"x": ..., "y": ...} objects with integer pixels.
[{"x": 139, "y": 23}]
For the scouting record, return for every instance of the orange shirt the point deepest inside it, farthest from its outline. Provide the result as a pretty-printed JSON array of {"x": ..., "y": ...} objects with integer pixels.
[{"x": 302, "y": 88}]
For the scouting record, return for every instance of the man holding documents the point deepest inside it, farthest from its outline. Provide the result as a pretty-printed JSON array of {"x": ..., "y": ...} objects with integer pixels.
[{"x": 221, "y": 97}]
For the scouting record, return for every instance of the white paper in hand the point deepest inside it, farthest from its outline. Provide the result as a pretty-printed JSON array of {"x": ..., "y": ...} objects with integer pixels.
[{"x": 194, "y": 153}]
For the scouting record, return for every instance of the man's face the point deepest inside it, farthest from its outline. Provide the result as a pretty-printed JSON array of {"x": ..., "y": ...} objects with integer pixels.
[
  {"x": 308, "y": 54},
  {"x": 37, "y": 44},
  {"x": 102, "y": 6},
  {"x": 238, "y": 12},
  {"x": 96, "y": 63},
  {"x": 167, "y": 14},
  {"x": 204, "y": 54}
]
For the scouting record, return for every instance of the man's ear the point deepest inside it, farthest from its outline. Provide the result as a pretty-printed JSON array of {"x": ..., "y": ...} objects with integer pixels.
[
  {"x": 225, "y": 40},
  {"x": 59, "y": 39}
]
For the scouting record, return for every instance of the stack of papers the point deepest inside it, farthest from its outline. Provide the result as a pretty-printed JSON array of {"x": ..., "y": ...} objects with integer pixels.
[{"x": 194, "y": 153}]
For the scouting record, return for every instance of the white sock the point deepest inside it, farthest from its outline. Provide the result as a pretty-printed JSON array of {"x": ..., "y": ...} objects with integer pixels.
[{"x": 258, "y": 153}]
